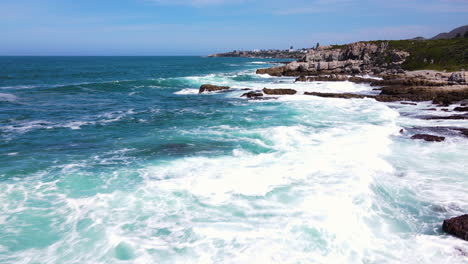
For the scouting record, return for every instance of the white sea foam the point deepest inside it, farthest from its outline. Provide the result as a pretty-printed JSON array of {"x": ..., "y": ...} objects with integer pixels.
[
  {"x": 337, "y": 186},
  {"x": 187, "y": 91},
  {"x": 5, "y": 97},
  {"x": 367, "y": 76},
  {"x": 26, "y": 126}
]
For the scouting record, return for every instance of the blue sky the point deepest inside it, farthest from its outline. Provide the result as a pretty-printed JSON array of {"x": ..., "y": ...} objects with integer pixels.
[{"x": 200, "y": 27}]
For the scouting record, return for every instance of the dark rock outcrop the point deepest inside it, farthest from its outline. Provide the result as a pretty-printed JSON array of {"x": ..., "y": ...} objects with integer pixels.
[
  {"x": 211, "y": 88},
  {"x": 461, "y": 109},
  {"x": 334, "y": 78},
  {"x": 279, "y": 91},
  {"x": 452, "y": 117},
  {"x": 459, "y": 77},
  {"x": 274, "y": 71},
  {"x": 252, "y": 95},
  {"x": 402, "y": 81},
  {"x": 463, "y": 131},
  {"x": 443, "y": 95},
  {"x": 429, "y": 138},
  {"x": 457, "y": 226},
  {"x": 339, "y": 95}
]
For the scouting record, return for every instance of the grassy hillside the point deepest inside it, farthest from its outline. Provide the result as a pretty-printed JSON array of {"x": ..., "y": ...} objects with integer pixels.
[
  {"x": 441, "y": 54},
  {"x": 446, "y": 54}
]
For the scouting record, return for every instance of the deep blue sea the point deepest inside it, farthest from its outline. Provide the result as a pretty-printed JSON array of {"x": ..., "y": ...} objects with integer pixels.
[{"x": 120, "y": 160}]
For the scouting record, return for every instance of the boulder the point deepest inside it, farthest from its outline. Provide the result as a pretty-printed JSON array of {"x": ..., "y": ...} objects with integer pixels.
[
  {"x": 323, "y": 65},
  {"x": 253, "y": 95},
  {"x": 279, "y": 91},
  {"x": 275, "y": 71},
  {"x": 355, "y": 70},
  {"x": 211, "y": 88},
  {"x": 429, "y": 138},
  {"x": 457, "y": 226},
  {"x": 293, "y": 66}
]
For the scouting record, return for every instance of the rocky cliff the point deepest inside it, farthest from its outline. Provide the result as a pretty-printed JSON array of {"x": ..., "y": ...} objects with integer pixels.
[{"x": 355, "y": 58}]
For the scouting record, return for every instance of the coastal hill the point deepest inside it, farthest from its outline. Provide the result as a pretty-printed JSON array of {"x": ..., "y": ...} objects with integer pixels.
[
  {"x": 380, "y": 57},
  {"x": 440, "y": 54},
  {"x": 459, "y": 32},
  {"x": 444, "y": 52}
]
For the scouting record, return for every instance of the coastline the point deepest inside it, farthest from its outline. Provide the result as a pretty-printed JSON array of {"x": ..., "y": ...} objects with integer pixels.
[{"x": 438, "y": 91}]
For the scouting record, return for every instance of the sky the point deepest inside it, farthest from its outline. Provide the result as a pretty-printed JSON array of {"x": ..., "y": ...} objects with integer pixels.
[{"x": 201, "y": 27}]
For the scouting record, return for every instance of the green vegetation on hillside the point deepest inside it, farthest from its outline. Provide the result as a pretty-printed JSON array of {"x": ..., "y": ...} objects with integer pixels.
[{"x": 441, "y": 54}]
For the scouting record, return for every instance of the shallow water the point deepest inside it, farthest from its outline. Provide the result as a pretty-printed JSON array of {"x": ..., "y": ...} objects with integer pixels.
[{"x": 120, "y": 160}]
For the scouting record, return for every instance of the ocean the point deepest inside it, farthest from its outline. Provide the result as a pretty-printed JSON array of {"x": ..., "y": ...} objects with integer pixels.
[{"x": 120, "y": 160}]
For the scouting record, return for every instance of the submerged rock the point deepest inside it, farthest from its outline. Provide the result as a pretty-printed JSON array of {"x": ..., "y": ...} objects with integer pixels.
[
  {"x": 429, "y": 138},
  {"x": 212, "y": 88},
  {"x": 279, "y": 91},
  {"x": 457, "y": 226}
]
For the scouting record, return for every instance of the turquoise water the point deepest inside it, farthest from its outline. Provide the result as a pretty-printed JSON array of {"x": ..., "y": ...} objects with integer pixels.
[{"x": 120, "y": 160}]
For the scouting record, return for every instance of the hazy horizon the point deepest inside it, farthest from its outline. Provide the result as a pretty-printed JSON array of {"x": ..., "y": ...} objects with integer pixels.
[{"x": 202, "y": 27}]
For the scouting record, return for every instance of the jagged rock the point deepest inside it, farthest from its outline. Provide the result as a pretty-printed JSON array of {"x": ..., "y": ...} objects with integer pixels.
[
  {"x": 442, "y": 95},
  {"x": 334, "y": 78},
  {"x": 252, "y": 95},
  {"x": 339, "y": 95},
  {"x": 461, "y": 109},
  {"x": 398, "y": 56},
  {"x": 322, "y": 78},
  {"x": 279, "y": 91},
  {"x": 409, "y": 82},
  {"x": 452, "y": 117},
  {"x": 355, "y": 70},
  {"x": 353, "y": 58},
  {"x": 211, "y": 88},
  {"x": 457, "y": 226},
  {"x": 427, "y": 137},
  {"x": 458, "y": 77},
  {"x": 274, "y": 71}
]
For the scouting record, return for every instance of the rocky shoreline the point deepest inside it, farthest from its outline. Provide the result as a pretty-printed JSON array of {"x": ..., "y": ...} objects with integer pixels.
[{"x": 381, "y": 67}]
